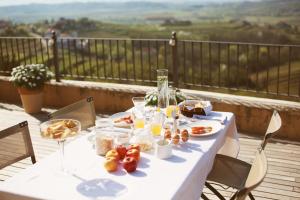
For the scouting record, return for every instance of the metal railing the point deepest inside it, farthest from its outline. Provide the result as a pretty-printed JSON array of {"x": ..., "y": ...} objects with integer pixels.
[{"x": 262, "y": 69}]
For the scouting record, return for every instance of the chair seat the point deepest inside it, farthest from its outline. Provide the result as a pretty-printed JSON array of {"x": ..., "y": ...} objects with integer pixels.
[{"x": 229, "y": 171}]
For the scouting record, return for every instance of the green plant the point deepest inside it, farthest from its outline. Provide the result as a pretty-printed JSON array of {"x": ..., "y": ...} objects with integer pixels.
[{"x": 31, "y": 76}]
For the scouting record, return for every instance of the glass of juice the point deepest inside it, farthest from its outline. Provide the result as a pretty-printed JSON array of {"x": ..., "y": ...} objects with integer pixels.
[
  {"x": 157, "y": 123},
  {"x": 156, "y": 129},
  {"x": 139, "y": 123}
]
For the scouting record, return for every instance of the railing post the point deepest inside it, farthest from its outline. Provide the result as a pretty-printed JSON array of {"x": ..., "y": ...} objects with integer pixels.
[
  {"x": 173, "y": 44},
  {"x": 55, "y": 56}
]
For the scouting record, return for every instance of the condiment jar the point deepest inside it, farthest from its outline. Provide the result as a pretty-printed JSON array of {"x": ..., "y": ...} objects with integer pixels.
[{"x": 104, "y": 142}]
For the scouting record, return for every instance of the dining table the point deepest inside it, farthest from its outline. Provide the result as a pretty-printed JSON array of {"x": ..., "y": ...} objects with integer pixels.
[{"x": 181, "y": 176}]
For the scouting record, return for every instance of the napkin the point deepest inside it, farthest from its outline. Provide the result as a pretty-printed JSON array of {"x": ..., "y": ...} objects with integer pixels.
[{"x": 212, "y": 116}]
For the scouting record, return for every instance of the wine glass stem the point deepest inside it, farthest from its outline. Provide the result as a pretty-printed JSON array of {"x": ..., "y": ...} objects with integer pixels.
[{"x": 61, "y": 144}]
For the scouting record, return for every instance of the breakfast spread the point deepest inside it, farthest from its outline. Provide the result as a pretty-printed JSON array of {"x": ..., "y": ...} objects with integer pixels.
[{"x": 141, "y": 139}]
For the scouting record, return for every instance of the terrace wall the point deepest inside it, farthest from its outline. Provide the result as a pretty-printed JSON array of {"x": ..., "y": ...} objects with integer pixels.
[{"x": 252, "y": 114}]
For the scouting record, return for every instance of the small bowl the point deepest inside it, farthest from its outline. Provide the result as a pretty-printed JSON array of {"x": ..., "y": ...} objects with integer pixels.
[{"x": 163, "y": 149}]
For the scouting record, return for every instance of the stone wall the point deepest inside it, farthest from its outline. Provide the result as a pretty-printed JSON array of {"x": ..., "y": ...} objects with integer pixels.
[{"x": 252, "y": 114}]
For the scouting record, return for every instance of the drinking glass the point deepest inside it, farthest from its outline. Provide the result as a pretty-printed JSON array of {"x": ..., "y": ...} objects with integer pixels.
[
  {"x": 139, "y": 106},
  {"x": 157, "y": 124},
  {"x": 139, "y": 123},
  {"x": 162, "y": 88},
  {"x": 60, "y": 130}
]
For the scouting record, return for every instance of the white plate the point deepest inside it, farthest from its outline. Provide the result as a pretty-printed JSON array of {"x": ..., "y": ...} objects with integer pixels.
[
  {"x": 216, "y": 127},
  {"x": 118, "y": 116}
]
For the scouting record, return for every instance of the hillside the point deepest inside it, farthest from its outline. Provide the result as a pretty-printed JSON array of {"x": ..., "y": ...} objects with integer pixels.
[{"x": 138, "y": 12}]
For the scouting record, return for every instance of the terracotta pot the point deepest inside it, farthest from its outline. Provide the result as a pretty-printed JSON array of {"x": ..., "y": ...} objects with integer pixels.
[{"x": 32, "y": 100}]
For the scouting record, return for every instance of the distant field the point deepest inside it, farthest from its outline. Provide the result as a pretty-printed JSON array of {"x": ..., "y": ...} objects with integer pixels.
[
  {"x": 281, "y": 74},
  {"x": 293, "y": 20}
]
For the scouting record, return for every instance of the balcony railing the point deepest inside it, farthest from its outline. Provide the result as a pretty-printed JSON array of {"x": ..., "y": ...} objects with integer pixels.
[{"x": 260, "y": 69}]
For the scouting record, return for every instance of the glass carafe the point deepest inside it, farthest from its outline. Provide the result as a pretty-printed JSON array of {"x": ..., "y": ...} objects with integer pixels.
[{"x": 162, "y": 87}]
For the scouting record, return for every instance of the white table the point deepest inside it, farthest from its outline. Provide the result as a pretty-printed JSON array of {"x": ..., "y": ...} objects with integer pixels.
[{"x": 179, "y": 177}]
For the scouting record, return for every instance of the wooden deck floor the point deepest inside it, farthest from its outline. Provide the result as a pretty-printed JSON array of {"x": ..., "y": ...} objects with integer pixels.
[{"x": 282, "y": 181}]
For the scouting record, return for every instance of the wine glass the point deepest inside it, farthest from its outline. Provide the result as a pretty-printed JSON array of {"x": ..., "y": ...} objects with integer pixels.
[{"x": 60, "y": 130}]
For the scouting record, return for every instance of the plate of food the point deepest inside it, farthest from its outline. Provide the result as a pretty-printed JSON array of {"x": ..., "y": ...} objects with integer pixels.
[
  {"x": 203, "y": 128},
  {"x": 122, "y": 119},
  {"x": 189, "y": 108}
]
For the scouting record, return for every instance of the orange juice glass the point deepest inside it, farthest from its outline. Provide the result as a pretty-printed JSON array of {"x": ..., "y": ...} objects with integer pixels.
[
  {"x": 156, "y": 129},
  {"x": 139, "y": 123}
]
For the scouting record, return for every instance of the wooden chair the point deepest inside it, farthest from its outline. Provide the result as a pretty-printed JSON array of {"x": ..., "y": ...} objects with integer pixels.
[
  {"x": 83, "y": 111},
  {"x": 241, "y": 175},
  {"x": 15, "y": 145},
  {"x": 5, "y": 195}
]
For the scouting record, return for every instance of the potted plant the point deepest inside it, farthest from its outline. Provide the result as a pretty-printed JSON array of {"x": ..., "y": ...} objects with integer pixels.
[{"x": 30, "y": 80}]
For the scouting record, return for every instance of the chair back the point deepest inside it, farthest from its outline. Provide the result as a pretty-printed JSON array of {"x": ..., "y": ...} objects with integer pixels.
[
  {"x": 274, "y": 126},
  {"x": 83, "y": 111},
  {"x": 15, "y": 144},
  {"x": 8, "y": 195},
  {"x": 256, "y": 175}
]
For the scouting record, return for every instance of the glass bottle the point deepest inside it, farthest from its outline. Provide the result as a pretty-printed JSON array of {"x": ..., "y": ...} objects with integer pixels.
[
  {"x": 173, "y": 110},
  {"x": 172, "y": 106}
]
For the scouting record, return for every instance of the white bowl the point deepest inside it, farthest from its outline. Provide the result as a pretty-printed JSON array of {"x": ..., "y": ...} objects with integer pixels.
[{"x": 163, "y": 149}]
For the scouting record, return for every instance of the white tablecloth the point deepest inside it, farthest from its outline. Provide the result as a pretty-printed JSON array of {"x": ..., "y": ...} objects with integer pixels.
[{"x": 180, "y": 177}]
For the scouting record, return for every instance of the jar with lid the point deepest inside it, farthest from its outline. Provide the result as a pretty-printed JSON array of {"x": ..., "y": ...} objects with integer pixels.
[{"x": 104, "y": 142}]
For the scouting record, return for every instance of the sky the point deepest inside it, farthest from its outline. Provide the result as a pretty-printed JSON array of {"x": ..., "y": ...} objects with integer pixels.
[{"x": 20, "y": 2}]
